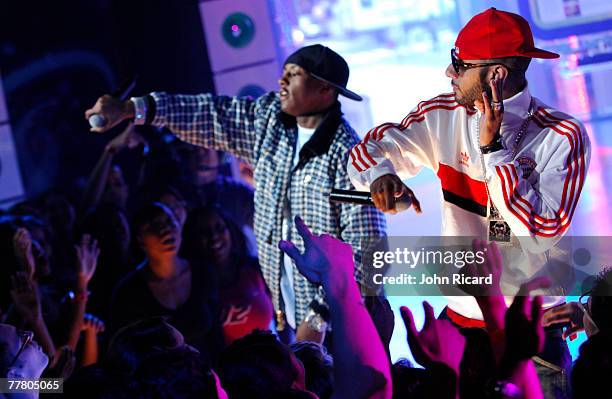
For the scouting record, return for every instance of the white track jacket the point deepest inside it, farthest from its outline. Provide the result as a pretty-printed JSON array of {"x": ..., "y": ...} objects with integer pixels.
[{"x": 536, "y": 191}]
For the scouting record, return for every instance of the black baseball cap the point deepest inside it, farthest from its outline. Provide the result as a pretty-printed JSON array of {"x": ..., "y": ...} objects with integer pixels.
[{"x": 324, "y": 64}]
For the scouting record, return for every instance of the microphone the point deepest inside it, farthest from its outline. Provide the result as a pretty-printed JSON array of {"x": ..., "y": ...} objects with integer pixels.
[
  {"x": 122, "y": 93},
  {"x": 365, "y": 198}
]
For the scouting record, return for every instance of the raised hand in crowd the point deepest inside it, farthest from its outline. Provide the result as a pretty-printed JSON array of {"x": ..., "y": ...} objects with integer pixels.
[
  {"x": 26, "y": 298},
  {"x": 87, "y": 253},
  {"x": 27, "y": 304},
  {"x": 87, "y": 259},
  {"x": 524, "y": 329},
  {"x": 324, "y": 256},
  {"x": 525, "y": 337},
  {"x": 438, "y": 347},
  {"x": 361, "y": 367},
  {"x": 488, "y": 296},
  {"x": 129, "y": 139},
  {"x": 571, "y": 313},
  {"x": 98, "y": 180},
  {"x": 22, "y": 246},
  {"x": 437, "y": 342},
  {"x": 113, "y": 110},
  {"x": 92, "y": 326}
]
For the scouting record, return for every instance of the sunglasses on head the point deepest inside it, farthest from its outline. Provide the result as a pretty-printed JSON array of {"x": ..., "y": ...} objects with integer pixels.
[{"x": 459, "y": 65}]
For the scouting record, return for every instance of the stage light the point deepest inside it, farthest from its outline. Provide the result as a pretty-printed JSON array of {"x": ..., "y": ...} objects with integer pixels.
[{"x": 238, "y": 30}]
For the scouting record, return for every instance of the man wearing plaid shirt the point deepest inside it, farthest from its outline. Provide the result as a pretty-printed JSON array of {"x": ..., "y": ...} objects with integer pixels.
[{"x": 298, "y": 144}]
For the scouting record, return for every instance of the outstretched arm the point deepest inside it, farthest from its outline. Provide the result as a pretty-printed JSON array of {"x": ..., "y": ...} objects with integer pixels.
[
  {"x": 392, "y": 152},
  {"x": 87, "y": 258},
  {"x": 219, "y": 122},
  {"x": 438, "y": 346},
  {"x": 99, "y": 176},
  {"x": 92, "y": 326},
  {"x": 361, "y": 367},
  {"x": 524, "y": 339},
  {"x": 26, "y": 298}
]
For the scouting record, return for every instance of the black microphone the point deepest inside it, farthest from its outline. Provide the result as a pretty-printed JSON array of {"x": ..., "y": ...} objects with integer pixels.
[
  {"x": 351, "y": 197},
  {"x": 365, "y": 198},
  {"x": 122, "y": 93}
]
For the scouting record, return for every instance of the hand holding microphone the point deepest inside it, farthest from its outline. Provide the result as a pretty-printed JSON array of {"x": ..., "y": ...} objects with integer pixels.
[
  {"x": 387, "y": 189},
  {"x": 110, "y": 110},
  {"x": 387, "y": 193}
]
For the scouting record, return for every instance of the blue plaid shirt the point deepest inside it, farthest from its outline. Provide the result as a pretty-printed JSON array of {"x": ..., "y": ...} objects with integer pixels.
[{"x": 258, "y": 132}]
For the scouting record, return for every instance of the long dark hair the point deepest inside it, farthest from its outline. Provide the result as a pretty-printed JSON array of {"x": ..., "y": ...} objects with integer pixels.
[
  {"x": 191, "y": 232},
  {"x": 8, "y": 264}
]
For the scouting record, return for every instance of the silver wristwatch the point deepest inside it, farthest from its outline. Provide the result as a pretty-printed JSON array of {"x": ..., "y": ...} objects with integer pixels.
[
  {"x": 315, "y": 321},
  {"x": 140, "y": 110}
]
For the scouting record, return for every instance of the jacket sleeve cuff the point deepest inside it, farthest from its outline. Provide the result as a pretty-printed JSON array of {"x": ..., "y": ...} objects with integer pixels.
[
  {"x": 369, "y": 176},
  {"x": 157, "y": 109}
]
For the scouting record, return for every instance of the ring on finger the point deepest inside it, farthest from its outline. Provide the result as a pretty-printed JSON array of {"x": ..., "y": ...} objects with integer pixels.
[{"x": 497, "y": 106}]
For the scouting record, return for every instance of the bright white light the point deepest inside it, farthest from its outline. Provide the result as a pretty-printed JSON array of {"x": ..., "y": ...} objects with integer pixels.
[{"x": 297, "y": 36}]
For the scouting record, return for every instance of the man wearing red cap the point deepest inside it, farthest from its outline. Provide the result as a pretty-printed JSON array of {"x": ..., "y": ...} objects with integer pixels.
[{"x": 506, "y": 161}]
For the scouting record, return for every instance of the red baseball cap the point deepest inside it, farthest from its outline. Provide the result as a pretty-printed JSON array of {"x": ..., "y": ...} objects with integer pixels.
[{"x": 497, "y": 34}]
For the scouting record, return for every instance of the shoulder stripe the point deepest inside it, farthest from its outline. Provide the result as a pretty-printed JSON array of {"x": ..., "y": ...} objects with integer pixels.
[
  {"x": 421, "y": 116},
  {"x": 367, "y": 154},
  {"x": 354, "y": 160},
  {"x": 425, "y": 104},
  {"x": 572, "y": 187}
]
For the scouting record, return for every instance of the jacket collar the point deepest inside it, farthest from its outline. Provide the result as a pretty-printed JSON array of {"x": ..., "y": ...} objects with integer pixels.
[
  {"x": 323, "y": 136},
  {"x": 515, "y": 110}
]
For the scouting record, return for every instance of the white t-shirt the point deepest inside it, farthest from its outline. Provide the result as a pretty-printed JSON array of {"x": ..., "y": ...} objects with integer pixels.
[{"x": 286, "y": 282}]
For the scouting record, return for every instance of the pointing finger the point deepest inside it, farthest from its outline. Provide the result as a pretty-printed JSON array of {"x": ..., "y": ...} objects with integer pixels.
[{"x": 303, "y": 230}]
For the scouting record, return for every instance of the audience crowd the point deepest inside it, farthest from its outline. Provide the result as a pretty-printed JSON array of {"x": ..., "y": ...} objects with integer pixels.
[{"x": 144, "y": 282}]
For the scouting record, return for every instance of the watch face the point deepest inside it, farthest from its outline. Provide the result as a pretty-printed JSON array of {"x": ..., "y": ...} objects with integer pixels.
[{"x": 316, "y": 323}]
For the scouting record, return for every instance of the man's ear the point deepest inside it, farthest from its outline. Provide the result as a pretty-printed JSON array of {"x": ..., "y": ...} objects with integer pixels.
[
  {"x": 501, "y": 71},
  {"x": 328, "y": 91},
  {"x": 325, "y": 88}
]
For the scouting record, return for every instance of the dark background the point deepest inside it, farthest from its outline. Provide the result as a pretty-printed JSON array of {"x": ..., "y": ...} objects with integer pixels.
[{"x": 57, "y": 57}]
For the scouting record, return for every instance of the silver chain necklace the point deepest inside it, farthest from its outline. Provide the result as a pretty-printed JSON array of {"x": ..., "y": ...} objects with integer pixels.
[
  {"x": 494, "y": 214},
  {"x": 523, "y": 130}
]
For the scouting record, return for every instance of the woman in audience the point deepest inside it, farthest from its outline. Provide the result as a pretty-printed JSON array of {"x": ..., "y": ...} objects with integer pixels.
[
  {"x": 166, "y": 284},
  {"x": 167, "y": 195},
  {"x": 25, "y": 306},
  {"x": 212, "y": 236}
]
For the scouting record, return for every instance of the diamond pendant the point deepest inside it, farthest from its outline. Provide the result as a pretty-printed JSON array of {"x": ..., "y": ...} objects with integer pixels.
[{"x": 499, "y": 230}]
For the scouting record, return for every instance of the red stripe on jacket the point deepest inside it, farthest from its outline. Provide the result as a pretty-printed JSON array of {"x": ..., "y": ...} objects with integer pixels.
[
  {"x": 462, "y": 185},
  {"x": 575, "y": 176},
  {"x": 377, "y": 133}
]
